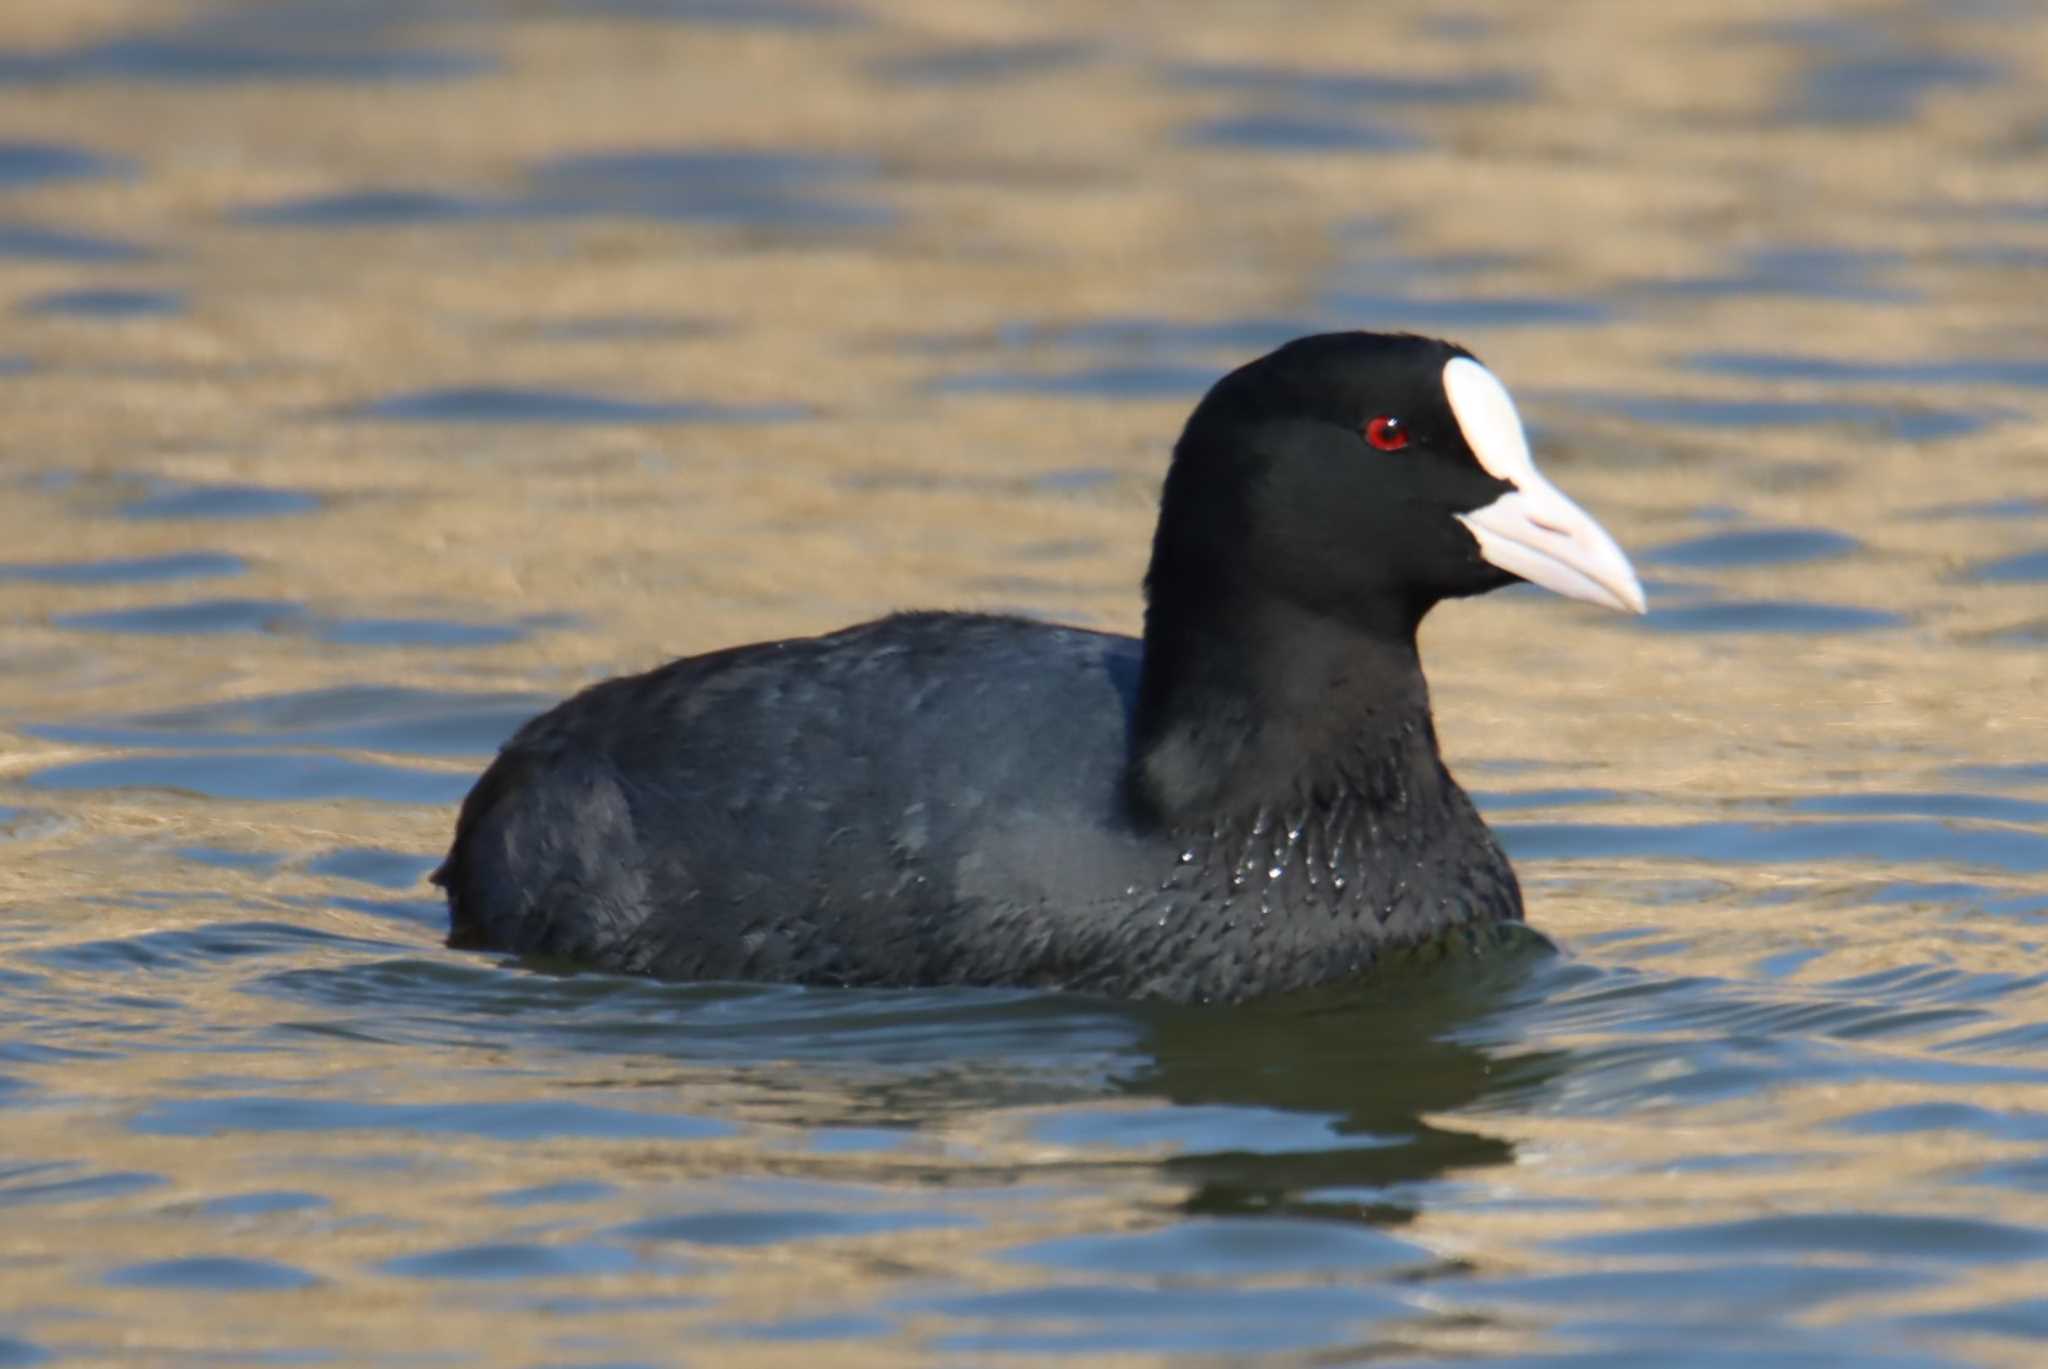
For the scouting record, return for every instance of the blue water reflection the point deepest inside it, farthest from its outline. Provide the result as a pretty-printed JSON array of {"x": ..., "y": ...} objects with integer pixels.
[
  {"x": 27, "y": 164},
  {"x": 786, "y": 191},
  {"x": 108, "y": 302},
  {"x": 38, "y": 242},
  {"x": 289, "y": 41},
  {"x": 513, "y": 404}
]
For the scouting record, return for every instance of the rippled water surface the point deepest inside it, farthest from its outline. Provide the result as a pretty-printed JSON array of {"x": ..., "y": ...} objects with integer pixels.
[{"x": 374, "y": 373}]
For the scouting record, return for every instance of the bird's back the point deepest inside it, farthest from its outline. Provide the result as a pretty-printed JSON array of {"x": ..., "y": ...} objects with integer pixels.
[{"x": 826, "y": 809}]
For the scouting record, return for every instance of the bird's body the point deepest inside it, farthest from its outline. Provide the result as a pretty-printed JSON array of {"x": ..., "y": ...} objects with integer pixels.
[
  {"x": 1248, "y": 800},
  {"x": 996, "y": 839}
]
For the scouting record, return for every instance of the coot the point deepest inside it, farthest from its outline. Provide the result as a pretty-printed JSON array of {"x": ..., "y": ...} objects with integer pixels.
[{"x": 1248, "y": 800}]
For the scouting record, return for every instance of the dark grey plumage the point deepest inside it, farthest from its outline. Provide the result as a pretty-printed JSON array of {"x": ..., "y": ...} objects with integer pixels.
[{"x": 945, "y": 799}]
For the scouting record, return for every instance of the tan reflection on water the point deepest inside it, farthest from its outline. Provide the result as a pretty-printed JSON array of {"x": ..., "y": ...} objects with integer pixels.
[{"x": 1649, "y": 152}]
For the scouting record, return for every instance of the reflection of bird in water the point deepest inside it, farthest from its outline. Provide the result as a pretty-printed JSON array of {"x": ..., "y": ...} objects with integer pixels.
[{"x": 1377, "y": 1061}]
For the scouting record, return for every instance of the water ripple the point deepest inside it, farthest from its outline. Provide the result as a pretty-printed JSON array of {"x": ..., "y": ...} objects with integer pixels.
[
  {"x": 207, "y": 617},
  {"x": 74, "y": 1188},
  {"x": 1771, "y": 615},
  {"x": 27, "y": 164},
  {"x": 107, "y": 302},
  {"x": 979, "y": 63},
  {"x": 799, "y": 190},
  {"x": 1229, "y": 1249},
  {"x": 1134, "y": 381},
  {"x": 516, "y": 1260},
  {"x": 1272, "y": 132},
  {"x": 37, "y": 242},
  {"x": 1916, "y": 424},
  {"x": 526, "y": 404},
  {"x": 16, "y": 1353},
  {"x": 512, "y": 1121},
  {"x": 774, "y": 14},
  {"x": 212, "y": 1274},
  {"x": 129, "y": 570},
  {"x": 1949, "y": 371},
  {"x": 1919, "y": 1238},
  {"x": 1916, "y": 1118},
  {"x": 1077, "y": 1318},
  {"x": 1795, "y": 270},
  {"x": 172, "y": 499},
  {"x": 394, "y": 718},
  {"x": 280, "y": 777},
  {"x": 1754, "y": 547},
  {"x": 2027, "y": 568},
  {"x": 196, "y": 950},
  {"x": 1863, "y": 843},
  {"x": 234, "y": 49},
  {"x": 774, "y": 1228},
  {"x": 372, "y": 206},
  {"x": 1352, "y": 87}
]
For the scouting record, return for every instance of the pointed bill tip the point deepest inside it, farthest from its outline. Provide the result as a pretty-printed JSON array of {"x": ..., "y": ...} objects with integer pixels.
[
  {"x": 1633, "y": 599},
  {"x": 1544, "y": 538}
]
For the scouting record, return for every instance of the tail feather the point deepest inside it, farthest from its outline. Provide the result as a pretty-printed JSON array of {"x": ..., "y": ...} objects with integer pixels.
[{"x": 467, "y": 912}]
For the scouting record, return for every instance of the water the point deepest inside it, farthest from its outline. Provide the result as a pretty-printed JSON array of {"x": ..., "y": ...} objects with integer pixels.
[{"x": 378, "y": 373}]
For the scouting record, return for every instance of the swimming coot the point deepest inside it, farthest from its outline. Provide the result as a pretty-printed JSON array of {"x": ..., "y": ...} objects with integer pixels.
[{"x": 1248, "y": 800}]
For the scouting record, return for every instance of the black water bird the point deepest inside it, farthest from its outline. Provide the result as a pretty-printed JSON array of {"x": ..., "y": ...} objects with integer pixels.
[{"x": 1249, "y": 800}]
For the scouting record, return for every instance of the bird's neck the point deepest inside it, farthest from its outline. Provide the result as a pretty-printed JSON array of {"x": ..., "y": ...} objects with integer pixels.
[{"x": 1250, "y": 709}]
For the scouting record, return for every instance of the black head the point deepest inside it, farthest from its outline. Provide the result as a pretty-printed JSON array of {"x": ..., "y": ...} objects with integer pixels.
[{"x": 1362, "y": 477}]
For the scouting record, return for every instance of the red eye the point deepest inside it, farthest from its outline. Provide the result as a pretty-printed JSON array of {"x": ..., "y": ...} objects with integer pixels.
[{"x": 1387, "y": 434}]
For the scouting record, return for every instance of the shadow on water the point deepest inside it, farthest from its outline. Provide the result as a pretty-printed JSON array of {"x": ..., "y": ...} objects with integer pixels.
[
  {"x": 1333, "y": 1094},
  {"x": 1250, "y": 1106}
]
